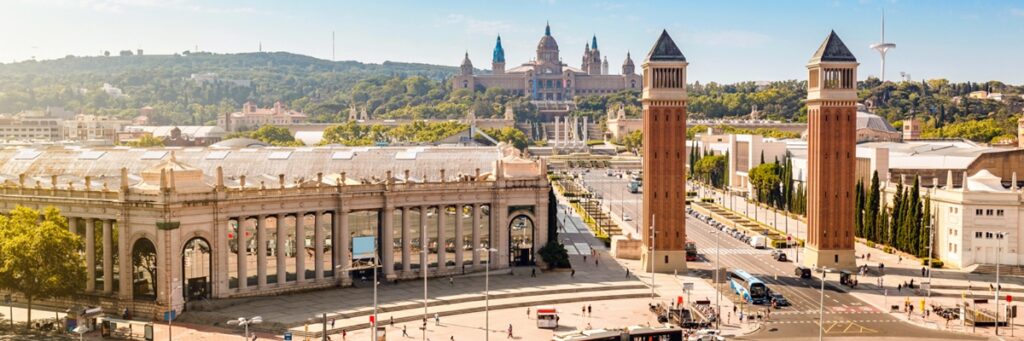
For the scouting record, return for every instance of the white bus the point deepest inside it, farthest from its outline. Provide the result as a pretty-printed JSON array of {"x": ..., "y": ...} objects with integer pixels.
[{"x": 547, "y": 317}]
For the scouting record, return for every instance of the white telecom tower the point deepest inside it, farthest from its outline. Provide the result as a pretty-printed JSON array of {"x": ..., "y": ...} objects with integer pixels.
[{"x": 883, "y": 47}]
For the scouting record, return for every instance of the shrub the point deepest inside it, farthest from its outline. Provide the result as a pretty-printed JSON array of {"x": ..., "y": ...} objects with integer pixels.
[
  {"x": 595, "y": 142},
  {"x": 936, "y": 263},
  {"x": 691, "y": 193},
  {"x": 707, "y": 200},
  {"x": 887, "y": 249},
  {"x": 554, "y": 255},
  {"x": 871, "y": 243}
]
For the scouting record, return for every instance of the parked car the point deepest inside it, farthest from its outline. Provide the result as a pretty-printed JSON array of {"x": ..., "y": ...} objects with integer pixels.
[
  {"x": 758, "y": 242},
  {"x": 627, "y": 217}
]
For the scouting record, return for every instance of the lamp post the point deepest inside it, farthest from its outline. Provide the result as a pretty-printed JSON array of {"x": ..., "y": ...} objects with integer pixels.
[
  {"x": 243, "y": 322},
  {"x": 1003, "y": 235},
  {"x": 171, "y": 314},
  {"x": 373, "y": 332},
  {"x": 487, "y": 293},
  {"x": 821, "y": 305},
  {"x": 425, "y": 269},
  {"x": 718, "y": 292}
]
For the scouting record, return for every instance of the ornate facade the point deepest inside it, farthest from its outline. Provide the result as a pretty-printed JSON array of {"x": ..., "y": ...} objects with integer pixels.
[
  {"x": 547, "y": 78},
  {"x": 167, "y": 226}
]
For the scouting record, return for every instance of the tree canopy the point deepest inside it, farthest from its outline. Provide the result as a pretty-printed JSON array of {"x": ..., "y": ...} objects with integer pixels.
[{"x": 39, "y": 259}]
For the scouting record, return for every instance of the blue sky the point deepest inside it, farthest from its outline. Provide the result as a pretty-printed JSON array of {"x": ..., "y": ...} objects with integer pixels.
[{"x": 724, "y": 41}]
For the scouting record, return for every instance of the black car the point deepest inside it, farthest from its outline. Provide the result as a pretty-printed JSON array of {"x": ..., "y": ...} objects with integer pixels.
[
  {"x": 778, "y": 299},
  {"x": 779, "y": 255},
  {"x": 802, "y": 272}
]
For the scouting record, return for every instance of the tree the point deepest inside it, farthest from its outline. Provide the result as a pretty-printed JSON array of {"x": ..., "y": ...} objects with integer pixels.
[
  {"x": 711, "y": 170},
  {"x": 765, "y": 179},
  {"x": 147, "y": 141},
  {"x": 39, "y": 259},
  {"x": 554, "y": 255},
  {"x": 509, "y": 134}
]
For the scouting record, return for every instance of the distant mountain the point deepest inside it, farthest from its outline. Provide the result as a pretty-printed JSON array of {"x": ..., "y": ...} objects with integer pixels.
[{"x": 166, "y": 82}]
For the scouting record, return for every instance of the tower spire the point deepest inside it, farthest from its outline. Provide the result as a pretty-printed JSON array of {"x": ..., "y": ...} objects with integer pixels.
[
  {"x": 547, "y": 28},
  {"x": 882, "y": 47}
]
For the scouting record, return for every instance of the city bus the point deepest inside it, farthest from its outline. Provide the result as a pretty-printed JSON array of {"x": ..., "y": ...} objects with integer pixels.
[{"x": 749, "y": 287}]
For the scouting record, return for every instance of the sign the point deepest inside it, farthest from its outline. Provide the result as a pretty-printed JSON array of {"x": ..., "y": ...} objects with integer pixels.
[
  {"x": 363, "y": 247},
  {"x": 287, "y": 336},
  {"x": 372, "y": 318},
  {"x": 687, "y": 286},
  {"x": 1009, "y": 298},
  {"x": 170, "y": 315},
  {"x": 7, "y": 299},
  {"x": 980, "y": 300}
]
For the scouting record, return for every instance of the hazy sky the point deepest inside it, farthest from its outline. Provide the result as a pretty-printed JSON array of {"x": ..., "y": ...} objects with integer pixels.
[{"x": 724, "y": 41}]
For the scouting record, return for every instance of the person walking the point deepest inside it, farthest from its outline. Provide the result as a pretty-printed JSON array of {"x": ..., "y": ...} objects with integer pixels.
[
  {"x": 533, "y": 272},
  {"x": 590, "y": 310},
  {"x": 583, "y": 311},
  {"x": 451, "y": 281},
  {"x": 332, "y": 323},
  {"x": 437, "y": 319},
  {"x": 572, "y": 274},
  {"x": 405, "y": 333},
  {"x": 627, "y": 272},
  {"x": 509, "y": 332},
  {"x": 391, "y": 320}
]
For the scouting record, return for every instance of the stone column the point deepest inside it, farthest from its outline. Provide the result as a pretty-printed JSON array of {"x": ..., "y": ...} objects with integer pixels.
[
  {"x": 557, "y": 137},
  {"x": 424, "y": 242},
  {"x": 318, "y": 244},
  {"x": 124, "y": 287},
  {"x": 261, "y": 251},
  {"x": 243, "y": 253},
  {"x": 90, "y": 255},
  {"x": 540, "y": 227},
  {"x": 499, "y": 234},
  {"x": 72, "y": 224},
  {"x": 476, "y": 236},
  {"x": 345, "y": 238},
  {"x": 108, "y": 257},
  {"x": 282, "y": 260},
  {"x": 406, "y": 250},
  {"x": 300, "y": 247},
  {"x": 441, "y": 243},
  {"x": 459, "y": 247},
  {"x": 387, "y": 242}
]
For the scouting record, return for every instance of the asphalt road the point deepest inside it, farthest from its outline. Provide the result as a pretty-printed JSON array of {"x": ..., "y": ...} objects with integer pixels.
[{"x": 845, "y": 316}]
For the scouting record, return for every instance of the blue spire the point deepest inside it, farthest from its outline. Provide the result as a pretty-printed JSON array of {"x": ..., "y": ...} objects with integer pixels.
[
  {"x": 499, "y": 52},
  {"x": 593, "y": 44},
  {"x": 547, "y": 29}
]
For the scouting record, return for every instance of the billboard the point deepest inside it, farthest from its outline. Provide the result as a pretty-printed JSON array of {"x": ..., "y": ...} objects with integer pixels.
[{"x": 363, "y": 247}]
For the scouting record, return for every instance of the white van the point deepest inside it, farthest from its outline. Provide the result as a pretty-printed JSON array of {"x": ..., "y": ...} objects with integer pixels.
[{"x": 758, "y": 242}]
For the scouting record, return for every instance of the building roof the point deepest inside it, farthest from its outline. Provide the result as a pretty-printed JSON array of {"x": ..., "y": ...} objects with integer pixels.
[
  {"x": 925, "y": 154},
  {"x": 240, "y": 142},
  {"x": 833, "y": 50},
  {"x": 192, "y": 131},
  {"x": 628, "y": 61},
  {"x": 593, "y": 44},
  {"x": 866, "y": 120},
  {"x": 665, "y": 49},
  {"x": 985, "y": 181},
  {"x": 72, "y": 164}
]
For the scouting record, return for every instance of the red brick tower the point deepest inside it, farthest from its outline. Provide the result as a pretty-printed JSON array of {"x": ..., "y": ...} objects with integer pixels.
[
  {"x": 664, "y": 159},
  {"x": 831, "y": 157}
]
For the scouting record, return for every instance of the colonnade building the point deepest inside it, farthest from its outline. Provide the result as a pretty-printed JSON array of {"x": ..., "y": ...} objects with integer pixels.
[{"x": 166, "y": 226}]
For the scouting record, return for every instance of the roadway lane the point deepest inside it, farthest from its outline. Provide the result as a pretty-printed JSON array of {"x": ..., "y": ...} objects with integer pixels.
[{"x": 845, "y": 316}]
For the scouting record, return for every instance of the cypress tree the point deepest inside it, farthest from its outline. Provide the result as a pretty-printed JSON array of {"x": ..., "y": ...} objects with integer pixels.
[
  {"x": 926, "y": 232},
  {"x": 871, "y": 211},
  {"x": 859, "y": 211}
]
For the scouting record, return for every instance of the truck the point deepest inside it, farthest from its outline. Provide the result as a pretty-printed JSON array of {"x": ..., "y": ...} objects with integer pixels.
[
  {"x": 634, "y": 186},
  {"x": 691, "y": 251}
]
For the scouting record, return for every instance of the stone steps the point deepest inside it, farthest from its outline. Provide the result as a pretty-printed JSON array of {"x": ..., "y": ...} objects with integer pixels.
[{"x": 415, "y": 314}]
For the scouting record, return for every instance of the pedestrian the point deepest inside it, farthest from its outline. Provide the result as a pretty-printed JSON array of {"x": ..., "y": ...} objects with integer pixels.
[
  {"x": 332, "y": 323},
  {"x": 404, "y": 332},
  {"x": 899, "y": 260},
  {"x": 424, "y": 323},
  {"x": 437, "y": 319},
  {"x": 572, "y": 273},
  {"x": 589, "y": 327},
  {"x": 451, "y": 281},
  {"x": 595, "y": 261},
  {"x": 869, "y": 256},
  {"x": 527, "y": 313},
  {"x": 533, "y": 272},
  {"x": 728, "y": 318},
  {"x": 391, "y": 320},
  {"x": 254, "y": 337},
  {"x": 344, "y": 334},
  {"x": 922, "y": 271},
  {"x": 899, "y": 288},
  {"x": 590, "y": 310},
  {"x": 452, "y": 338},
  {"x": 584, "y": 258},
  {"x": 627, "y": 272},
  {"x": 509, "y": 331},
  {"x": 583, "y": 311}
]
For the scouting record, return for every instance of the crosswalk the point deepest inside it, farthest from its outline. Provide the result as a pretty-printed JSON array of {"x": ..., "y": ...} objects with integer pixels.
[{"x": 833, "y": 321}]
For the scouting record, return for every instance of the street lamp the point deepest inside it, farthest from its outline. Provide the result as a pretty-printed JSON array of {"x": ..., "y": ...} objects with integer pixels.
[
  {"x": 650, "y": 260},
  {"x": 717, "y": 278},
  {"x": 1004, "y": 236},
  {"x": 487, "y": 293},
  {"x": 243, "y": 322},
  {"x": 171, "y": 313},
  {"x": 821, "y": 305}
]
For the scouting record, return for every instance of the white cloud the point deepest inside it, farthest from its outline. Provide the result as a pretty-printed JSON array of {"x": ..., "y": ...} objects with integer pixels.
[
  {"x": 477, "y": 26},
  {"x": 729, "y": 38},
  {"x": 121, "y": 6}
]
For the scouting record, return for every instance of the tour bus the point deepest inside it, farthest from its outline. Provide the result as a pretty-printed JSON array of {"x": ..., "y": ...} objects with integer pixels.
[
  {"x": 691, "y": 251},
  {"x": 751, "y": 289},
  {"x": 547, "y": 317}
]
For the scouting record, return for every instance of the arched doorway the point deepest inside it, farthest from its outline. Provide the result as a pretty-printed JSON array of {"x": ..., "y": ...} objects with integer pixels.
[
  {"x": 197, "y": 264},
  {"x": 144, "y": 270},
  {"x": 521, "y": 237}
]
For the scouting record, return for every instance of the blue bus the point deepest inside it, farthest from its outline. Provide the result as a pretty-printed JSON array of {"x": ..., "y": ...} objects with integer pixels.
[{"x": 749, "y": 287}]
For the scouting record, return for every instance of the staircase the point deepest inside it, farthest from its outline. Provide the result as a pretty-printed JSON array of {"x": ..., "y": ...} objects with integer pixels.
[{"x": 1005, "y": 270}]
